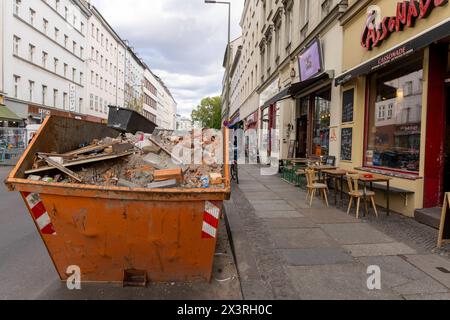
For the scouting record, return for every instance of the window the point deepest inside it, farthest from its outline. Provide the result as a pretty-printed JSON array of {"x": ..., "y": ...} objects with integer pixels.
[
  {"x": 65, "y": 70},
  {"x": 31, "y": 52},
  {"x": 44, "y": 95},
  {"x": 74, "y": 72},
  {"x": 91, "y": 102},
  {"x": 56, "y": 34},
  {"x": 16, "y": 86},
  {"x": 305, "y": 12},
  {"x": 66, "y": 13},
  {"x": 31, "y": 90},
  {"x": 74, "y": 20},
  {"x": 92, "y": 78},
  {"x": 57, "y": 5},
  {"x": 32, "y": 16},
  {"x": 55, "y": 97},
  {"x": 81, "y": 52},
  {"x": 66, "y": 41},
  {"x": 17, "y": 4},
  {"x": 80, "y": 104},
  {"x": 96, "y": 103},
  {"x": 45, "y": 25},
  {"x": 82, "y": 27},
  {"x": 16, "y": 44},
  {"x": 65, "y": 100},
  {"x": 74, "y": 47},
  {"x": 289, "y": 25},
  {"x": 81, "y": 78},
  {"x": 394, "y": 125},
  {"x": 44, "y": 59}
]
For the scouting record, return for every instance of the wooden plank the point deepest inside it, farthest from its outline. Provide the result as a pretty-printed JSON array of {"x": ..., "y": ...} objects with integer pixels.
[
  {"x": 81, "y": 162},
  {"x": 161, "y": 175},
  {"x": 61, "y": 168},
  {"x": 88, "y": 149}
]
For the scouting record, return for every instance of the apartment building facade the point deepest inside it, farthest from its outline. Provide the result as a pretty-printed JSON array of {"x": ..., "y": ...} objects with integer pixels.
[
  {"x": 291, "y": 51},
  {"x": 61, "y": 57},
  {"x": 44, "y": 65},
  {"x": 166, "y": 107},
  {"x": 105, "y": 66},
  {"x": 150, "y": 108}
]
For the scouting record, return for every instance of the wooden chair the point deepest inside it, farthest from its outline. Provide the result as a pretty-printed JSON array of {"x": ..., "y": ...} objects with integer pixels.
[
  {"x": 356, "y": 194},
  {"x": 312, "y": 187}
]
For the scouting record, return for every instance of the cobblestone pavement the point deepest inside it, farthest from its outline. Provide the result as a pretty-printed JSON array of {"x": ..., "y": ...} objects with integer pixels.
[{"x": 286, "y": 250}]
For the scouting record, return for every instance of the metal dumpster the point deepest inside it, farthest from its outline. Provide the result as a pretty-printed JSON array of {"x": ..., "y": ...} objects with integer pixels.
[{"x": 167, "y": 234}]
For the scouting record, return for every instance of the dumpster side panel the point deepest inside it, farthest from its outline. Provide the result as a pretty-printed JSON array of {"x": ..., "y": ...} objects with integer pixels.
[{"x": 106, "y": 237}]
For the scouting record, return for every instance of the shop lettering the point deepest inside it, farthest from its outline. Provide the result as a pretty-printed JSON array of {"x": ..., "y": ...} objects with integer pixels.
[
  {"x": 392, "y": 56},
  {"x": 408, "y": 12}
]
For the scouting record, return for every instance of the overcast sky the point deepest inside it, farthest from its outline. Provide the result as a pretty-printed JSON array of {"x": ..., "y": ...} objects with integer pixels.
[{"x": 182, "y": 41}]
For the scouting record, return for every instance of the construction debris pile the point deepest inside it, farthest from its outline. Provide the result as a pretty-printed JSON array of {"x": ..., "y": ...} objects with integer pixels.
[{"x": 133, "y": 161}]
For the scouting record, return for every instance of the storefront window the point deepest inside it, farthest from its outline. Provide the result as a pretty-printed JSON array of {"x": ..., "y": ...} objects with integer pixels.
[
  {"x": 321, "y": 123},
  {"x": 395, "y": 112}
]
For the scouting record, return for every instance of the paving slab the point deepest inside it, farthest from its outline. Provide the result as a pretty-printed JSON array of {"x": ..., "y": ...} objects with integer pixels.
[
  {"x": 380, "y": 249},
  {"x": 253, "y": 187},
  {"x": 278, "y": 214},
  {"x": 316, "y": 256},
  {"x": 351, "y": 233},
  {"x": 434, "y": 265},
  {"x": 335, "y": 282},
  {"x": 261, "y": 195},
  {"x": 290, "y": 223},
  {"x": 256, "y": 290},
  {"x": 302, "y": 239},
  {"x": 328, "y": 216},
  {"x": 402, "y": 277},
  {"x": 271, "y": 205}
]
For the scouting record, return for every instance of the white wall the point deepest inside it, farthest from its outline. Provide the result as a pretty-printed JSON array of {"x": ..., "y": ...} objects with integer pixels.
[{"x": 20, "y": 64}]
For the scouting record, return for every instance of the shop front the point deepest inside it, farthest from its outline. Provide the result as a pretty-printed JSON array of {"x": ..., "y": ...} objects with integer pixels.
[{"x": 395, "y": 98}]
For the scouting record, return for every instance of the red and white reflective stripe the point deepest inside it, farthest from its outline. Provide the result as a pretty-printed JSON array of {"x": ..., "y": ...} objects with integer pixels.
[
  {"x": 210, "y": 221},
  {"x": 40, "y": 214}
]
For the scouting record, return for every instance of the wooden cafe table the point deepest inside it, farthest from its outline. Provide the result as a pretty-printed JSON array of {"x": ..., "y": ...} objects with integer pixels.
[
  {"x": 338, "y": 174},
  {"x": 368, "y": 178}
]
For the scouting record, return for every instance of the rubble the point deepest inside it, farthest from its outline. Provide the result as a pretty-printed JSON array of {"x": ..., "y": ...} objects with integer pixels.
[{"x": 131, "y": 161}]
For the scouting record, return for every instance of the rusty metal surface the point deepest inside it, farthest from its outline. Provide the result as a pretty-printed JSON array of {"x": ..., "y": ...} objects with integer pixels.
[
  {"x": 107, "y": 230},
  {"x": 104, "y": 238}
]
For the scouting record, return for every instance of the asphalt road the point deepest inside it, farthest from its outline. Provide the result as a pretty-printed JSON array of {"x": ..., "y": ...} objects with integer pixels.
[{"x": 26, "y": 271}]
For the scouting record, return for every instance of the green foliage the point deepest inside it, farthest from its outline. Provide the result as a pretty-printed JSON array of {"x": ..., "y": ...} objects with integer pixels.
[{"x": 209, "y": 113}]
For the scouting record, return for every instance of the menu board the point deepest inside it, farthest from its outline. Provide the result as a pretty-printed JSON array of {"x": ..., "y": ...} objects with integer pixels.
[
  {"x": 348, "y": 102},
  {"x": 346, "y": 144},
  {"x": 444, "y": 230}
]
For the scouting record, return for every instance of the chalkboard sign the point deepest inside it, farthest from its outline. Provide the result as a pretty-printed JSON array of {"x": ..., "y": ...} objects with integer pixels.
[
  {"x": 346, "y": 144},
  {"x": 444, "y": 230},
  {"x": 348, "y": 102}
]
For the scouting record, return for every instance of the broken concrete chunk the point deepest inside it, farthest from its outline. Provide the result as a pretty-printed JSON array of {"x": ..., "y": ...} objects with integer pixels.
[
  {"x": 215, "y": 178},
  {"x": 163, "y": 184}
]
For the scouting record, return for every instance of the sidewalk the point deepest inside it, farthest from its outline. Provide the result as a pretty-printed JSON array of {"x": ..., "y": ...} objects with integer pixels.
[{"x": 286, "y": 250}]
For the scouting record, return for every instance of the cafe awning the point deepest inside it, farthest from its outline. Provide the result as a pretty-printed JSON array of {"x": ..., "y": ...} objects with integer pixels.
[
  {"x": 296, "y": 89},
  {"x": 7, "y": 115},
  {"x": 409, "y": 47}
]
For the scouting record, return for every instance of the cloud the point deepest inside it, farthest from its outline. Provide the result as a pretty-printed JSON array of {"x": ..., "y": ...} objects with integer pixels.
[{"x": 182, "y": 41}]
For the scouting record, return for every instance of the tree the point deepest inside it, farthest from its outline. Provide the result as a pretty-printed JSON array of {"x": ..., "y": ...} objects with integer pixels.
[{"x": 209, "y": 113}]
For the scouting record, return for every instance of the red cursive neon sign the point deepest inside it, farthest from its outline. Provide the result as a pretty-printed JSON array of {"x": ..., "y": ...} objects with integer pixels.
[{"x": 407, "y": 14}]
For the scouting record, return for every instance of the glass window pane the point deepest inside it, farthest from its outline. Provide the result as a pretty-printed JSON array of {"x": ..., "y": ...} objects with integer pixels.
[{"x": 395, "y": 114}]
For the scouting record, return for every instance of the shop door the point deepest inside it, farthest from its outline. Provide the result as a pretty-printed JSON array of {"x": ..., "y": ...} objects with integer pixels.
[
  {"x": 302, "y": 136},
  {"x": 447, "y": 145}
]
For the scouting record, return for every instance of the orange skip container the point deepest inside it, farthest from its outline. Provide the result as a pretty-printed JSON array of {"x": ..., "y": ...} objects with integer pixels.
[{"x": 166, "y": 235}]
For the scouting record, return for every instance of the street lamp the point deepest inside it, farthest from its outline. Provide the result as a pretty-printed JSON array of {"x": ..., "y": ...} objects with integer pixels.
[{"x": 228, "y": 50}]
